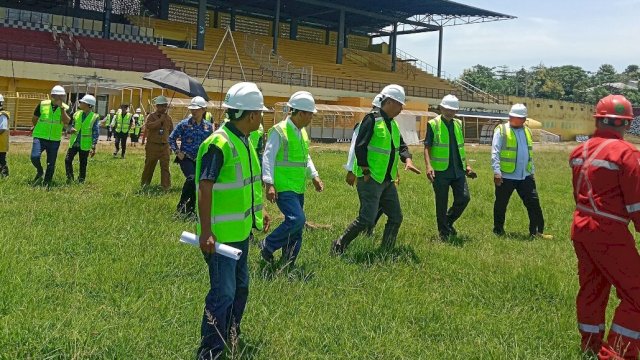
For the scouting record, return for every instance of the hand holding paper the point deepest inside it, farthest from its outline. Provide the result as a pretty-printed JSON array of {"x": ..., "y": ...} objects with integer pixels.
[{"x": 222, "y": 249}]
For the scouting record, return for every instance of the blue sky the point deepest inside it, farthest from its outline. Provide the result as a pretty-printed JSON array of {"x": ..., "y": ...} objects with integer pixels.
[{"x": 563, "y": 32}]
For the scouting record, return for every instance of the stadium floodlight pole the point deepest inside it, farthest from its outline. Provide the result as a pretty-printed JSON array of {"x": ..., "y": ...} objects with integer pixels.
[
  {"x": 227, "y": 33},
  {"x": 276, "y": 27},
  {"x": 440, "y": 51}
]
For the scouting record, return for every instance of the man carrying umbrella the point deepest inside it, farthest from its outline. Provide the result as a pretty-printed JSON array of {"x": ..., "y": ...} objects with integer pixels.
[{"x": 158, "y": 128}]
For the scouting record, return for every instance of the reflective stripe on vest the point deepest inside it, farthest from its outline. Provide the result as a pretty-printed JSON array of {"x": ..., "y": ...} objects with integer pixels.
[
  {"x": 583, "y": 177},
  {"x": 439, "y": 152},
  {"x": 509, "y": 151},
  {"x": 49, "y": 125},
  {"x": 236, "y": 199},
  {"x": 85, "y": 129},
  {"x": 379, "y": 150},
  {"x": 290, "y": 173}
]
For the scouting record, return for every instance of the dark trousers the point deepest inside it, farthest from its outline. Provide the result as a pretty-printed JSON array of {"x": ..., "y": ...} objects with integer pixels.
[
  {"x": 121, "y": 139},
  {"x": 288, "y": 236},
  {"x": 187, "y": 203},
  {"x": 109, "y": 132},
  {"x": 68, "y": 163},
  {"x": 226, "y": 300},
  {"x": 527, "y": 191},
  {"x": 461, "y": 197},
  {"x": 4, "y": 168},
  {"x": 51, "y": 148},
  {"x": 373, "y": 197}
]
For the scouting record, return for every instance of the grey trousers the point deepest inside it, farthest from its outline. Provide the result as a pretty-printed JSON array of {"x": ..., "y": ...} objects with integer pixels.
[{"x": 374, "y": 196}]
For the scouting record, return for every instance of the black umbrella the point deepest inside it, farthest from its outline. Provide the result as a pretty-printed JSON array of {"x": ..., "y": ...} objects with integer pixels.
[{"x": 177, "y": 81}]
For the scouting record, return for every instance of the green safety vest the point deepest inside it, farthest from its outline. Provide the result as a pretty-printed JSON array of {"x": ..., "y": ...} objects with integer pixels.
[
  {"x": 85, "y": 128},
  {"x": 49, "y": 126},
  {"x": 138, "y": 125},
  {"x": 509, "y": 151},
  {"x": 4, "y": 137},
  {"x": 439, "y": 152},
  {"x": 379, "y": 150},
  {"x": 290, "y": 173},
  {"x": 123, "y": 125},
  {"x": 236, "y": 199},
  {"x": 208, "y": 116}
]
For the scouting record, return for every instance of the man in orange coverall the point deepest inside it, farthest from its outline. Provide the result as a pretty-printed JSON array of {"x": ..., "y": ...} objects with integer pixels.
[{"x": 606, "y": 183}]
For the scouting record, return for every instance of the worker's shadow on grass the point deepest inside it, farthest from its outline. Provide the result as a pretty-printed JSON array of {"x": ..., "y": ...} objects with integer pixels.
[
  {"x": 453, "y": 240},
  {"x": 283, "y": 269},
  {"x": 517, "y": 236},
  {"x": 398, "y": 254},
  {"x": 155, "y": 190}
]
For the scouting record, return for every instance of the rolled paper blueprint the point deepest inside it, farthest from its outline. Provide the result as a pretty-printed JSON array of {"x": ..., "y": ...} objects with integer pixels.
[{"x": 222, "y": 249}]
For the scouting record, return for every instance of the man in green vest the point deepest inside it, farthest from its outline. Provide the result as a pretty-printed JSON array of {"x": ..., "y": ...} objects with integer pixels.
[
  {"x": 286, "y": 167},
  {"x": 84, "y": 132},
  {"x": 230, "y": 205},
  {"x": 379, "y": 148},
  {"x": 447, "y": 166},
  {"x": 123, "y": 125},
  {"x": 49, "y": 119},
  {"x": 138, "y": 121},
  {"x": 512, "y": 163},
  {"x": 4, "y": 138}
]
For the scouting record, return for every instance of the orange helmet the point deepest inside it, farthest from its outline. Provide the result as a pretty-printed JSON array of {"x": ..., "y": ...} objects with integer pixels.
[{"x": 614, "y": 110}]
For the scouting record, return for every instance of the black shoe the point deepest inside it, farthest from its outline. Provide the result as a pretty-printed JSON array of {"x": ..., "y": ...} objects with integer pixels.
[
  {"x": 499, "y": 232},
  {"x": 80, "y": 180},
  {"x": 122, "y": 157},
  {"x": 337, "y": 249},
  {"x": 115, "y": 153},
  {"x": 69, "y": 179},
  {"x": 37, "y": 179},
  {"x": 266, "y": 256},
  {"x": 452, "y": 230},
  {"x": 444, "y": 236}
]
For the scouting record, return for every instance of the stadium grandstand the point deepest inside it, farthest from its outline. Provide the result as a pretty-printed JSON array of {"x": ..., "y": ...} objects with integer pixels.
[{"x": 105, "y": 46}]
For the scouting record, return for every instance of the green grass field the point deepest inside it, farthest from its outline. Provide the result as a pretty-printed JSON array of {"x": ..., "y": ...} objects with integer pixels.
[{"x": 96, "y": 271}]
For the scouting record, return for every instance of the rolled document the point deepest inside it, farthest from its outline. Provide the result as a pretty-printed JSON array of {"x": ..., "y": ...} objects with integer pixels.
[{"x": 222, "y": 249}]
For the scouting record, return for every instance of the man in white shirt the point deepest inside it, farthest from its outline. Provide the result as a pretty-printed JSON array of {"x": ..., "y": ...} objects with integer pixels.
[
  {"x": 4, "y": 138},
  {"x": 286, "y": 165},
  {"x": 512, "y": 163}
]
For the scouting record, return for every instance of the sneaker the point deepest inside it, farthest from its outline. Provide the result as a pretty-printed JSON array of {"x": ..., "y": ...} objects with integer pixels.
[
  {"x": 542, "y": 236},
  {"x": 337, "y": 248}
]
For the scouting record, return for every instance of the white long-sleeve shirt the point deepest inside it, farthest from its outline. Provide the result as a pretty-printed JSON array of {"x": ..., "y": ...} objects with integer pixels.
[
  {"x": 522, "y": 157},
  {"x": 271, "y": 150},
  {"x": 351, "y": 158}
]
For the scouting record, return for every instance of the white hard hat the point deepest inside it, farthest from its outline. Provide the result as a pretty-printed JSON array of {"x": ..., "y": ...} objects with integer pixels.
[
  {"x": 377, "y": 101},
  {"x": 1, "y": 98},
  {"x": 58, "y": 90},
  {"x": 197, "y": 102},
  {"x": 112, "y": 111},
  {"x": 244, "y": 96},
  {"x": 89, "y": 100},
  {"x": 161, "y": 100},
  {"x": 450, "y": 102},
  {"x": 519, "y": 111},
  {"x": 395, "y": 92},
  {"x": 302, "y": 100},
  {"x": 138, "y": 110}
]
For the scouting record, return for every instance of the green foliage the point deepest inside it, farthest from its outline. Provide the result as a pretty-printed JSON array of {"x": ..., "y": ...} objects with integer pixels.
[
  {"x": 567, "y": 82},
  {"x": 95, "y": 271}
]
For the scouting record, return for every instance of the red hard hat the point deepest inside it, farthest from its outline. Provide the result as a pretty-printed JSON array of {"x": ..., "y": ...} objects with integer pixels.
[{"x": 614, "y": 106}]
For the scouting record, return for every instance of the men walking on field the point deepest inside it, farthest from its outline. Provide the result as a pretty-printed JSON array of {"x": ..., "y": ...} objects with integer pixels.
[
  {"x": 446, "y": 164},
  {"x": 512, "y": 163},
  {"x": 191, "y": 131},
  {"x": 379, "y": 147},
  {"x": 158, "y": 128},
  {"x": 138, "y": 121},
  {"x": 606, "y": 184},
  {"x": 49, "y": 118},
  {"x": 287, "y": 165},
  {"x": 229, "y": 208},
  {"x": 108, "y": 122},
  {"x": 84, "y": 132},
  {"x": 123, "y": 124}
]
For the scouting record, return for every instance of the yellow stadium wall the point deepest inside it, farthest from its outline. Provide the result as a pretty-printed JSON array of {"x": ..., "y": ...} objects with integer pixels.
[{"x": 563, "y": 118}]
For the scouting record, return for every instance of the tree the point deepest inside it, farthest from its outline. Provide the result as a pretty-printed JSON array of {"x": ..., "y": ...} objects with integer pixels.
[
  {"x": 632, "y": 72},
  {"x": 482, "y": 77},
  {"x": 571, "y": 78},
  {"x": 605, "y": 74}
]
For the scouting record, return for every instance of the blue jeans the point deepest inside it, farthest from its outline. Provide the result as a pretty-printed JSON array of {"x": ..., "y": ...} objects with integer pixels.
[
  {"x": 51, "y": 147},
  {"x": 226, "y": 300},
  {"x": 288, "y": 236}
]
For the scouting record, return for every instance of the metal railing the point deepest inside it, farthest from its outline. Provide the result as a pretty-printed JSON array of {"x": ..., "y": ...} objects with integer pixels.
[{"x": 268, "y": 59}]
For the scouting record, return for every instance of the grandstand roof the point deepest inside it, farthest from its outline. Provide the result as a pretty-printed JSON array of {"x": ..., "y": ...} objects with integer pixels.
[{"x": 411, "y": 15}]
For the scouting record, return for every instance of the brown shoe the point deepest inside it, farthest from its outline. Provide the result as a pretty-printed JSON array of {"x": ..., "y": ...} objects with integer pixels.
[{"x": 542, "y": 236}]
